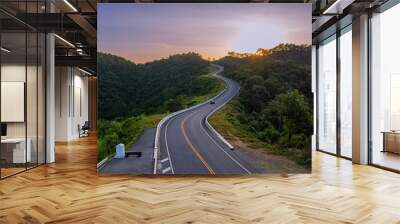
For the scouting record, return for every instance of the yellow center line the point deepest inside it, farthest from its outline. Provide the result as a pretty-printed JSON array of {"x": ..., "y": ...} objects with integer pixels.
[{"x": 194, "y": 148}]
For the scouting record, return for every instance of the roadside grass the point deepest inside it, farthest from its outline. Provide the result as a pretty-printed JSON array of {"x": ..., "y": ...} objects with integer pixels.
[
  {"x": 126, "y": 131},
  {"x": 225, "y": 122},
  {"x": 215, "y": 86},
  {"x": 218, "y": 86}
]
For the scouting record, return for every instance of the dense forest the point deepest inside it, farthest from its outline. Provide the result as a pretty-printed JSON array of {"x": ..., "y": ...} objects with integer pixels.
[
  {"x": 127, "y": 89},
  {"x": 275, "y": 100},
  {"x": 274, "y": 104},
  {"x": 133, "y": 97}
]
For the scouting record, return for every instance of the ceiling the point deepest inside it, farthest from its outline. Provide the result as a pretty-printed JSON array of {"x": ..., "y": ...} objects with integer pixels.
[{"x": 73, "y": 21}]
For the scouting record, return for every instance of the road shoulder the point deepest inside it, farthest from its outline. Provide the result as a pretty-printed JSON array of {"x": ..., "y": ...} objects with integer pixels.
[
  {"x": 270, "y": 162},
  {"x": 134, "y": 164}
]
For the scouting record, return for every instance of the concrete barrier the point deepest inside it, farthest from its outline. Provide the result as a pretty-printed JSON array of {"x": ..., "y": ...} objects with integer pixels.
[
  {"x": 119, "y": 151},
  {"x": 103, "y": 163}
]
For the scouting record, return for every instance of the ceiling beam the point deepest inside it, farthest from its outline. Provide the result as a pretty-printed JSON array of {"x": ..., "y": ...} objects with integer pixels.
[
  {"x": 84, "y": 24},
  {"x": 77, "y": 61}
]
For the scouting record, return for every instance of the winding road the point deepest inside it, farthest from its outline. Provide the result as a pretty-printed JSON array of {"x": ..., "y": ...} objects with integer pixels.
[{"x": 189, "y": 146}]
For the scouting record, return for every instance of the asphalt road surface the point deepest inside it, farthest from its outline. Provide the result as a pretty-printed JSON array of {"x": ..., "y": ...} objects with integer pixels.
[
  {"x": 134, "y": 164},
  {"x": 188, "y": 146}
]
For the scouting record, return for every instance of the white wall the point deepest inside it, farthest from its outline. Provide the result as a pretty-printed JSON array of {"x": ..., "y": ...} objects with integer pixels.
[
  {"x": 80, "y": 109},
  {"x": 62, "y": 83},
  {"x": 16, "y": 73},
  {"x": 71, "y": 94},
  {"x": 33, "y": 126}
]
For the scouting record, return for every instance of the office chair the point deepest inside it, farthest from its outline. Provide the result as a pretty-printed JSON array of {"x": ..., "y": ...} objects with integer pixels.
[{"x": 84, "y": 130}]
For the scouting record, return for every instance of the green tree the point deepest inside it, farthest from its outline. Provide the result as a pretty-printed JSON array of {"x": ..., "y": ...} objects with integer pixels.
[
  {"x": 293, "y": 113},
  {"x": 175, "y": 104},
  {"x": 128, "y": 89}
]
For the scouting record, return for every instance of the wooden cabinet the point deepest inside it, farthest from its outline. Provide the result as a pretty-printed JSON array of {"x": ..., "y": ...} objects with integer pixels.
[
  {"x": 391, "y": 142},
  {"x": 13, "y": 151}
]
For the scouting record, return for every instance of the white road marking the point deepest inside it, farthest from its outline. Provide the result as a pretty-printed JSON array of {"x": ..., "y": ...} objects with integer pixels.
[
  {"x": 166, "y": 144},
  {"x": 233, "y": 159},
  {"x": 166, "y": 169},
  {"x": 164, "y": 160}
]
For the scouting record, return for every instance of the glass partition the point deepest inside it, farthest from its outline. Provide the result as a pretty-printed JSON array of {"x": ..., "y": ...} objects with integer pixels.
[
  {"x": 31, "y": 97},
  {"x": 327, "y": 95},
  {"x": 22, "y": 88},
  {"x": 385, "y": 89},
  {"x": 14, "y": 153}
]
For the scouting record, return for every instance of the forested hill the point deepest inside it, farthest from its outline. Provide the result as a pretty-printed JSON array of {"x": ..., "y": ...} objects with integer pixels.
[
  {"x": 270, "y": 72},
  {"x": 127, "y": 89},
  {"x": 275, "y": 100}
]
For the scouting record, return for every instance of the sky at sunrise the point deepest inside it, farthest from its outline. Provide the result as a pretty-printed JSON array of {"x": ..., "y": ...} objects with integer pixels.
[{"x": 148, "y": 32}]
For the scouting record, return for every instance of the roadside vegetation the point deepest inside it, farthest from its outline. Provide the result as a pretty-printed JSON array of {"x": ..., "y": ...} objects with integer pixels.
[
  {"x": 273, "y": 110},
  {"x": 133, "y": 97},
  {"x": 126, "y": 131}
]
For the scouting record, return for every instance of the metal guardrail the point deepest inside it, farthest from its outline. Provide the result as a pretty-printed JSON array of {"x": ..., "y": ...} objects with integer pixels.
[
  {"x": 103, "y": 163},
  {"x": 161, "y": 123},
  {"x": 209, "y": 126}
]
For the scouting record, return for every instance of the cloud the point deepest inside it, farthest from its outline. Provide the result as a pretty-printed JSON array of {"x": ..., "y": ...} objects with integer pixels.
[{"x": 143, "y": 32}]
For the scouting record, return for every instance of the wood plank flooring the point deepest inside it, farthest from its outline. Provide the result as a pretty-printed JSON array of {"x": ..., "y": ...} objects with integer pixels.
[{"x": 70, "y": 191}]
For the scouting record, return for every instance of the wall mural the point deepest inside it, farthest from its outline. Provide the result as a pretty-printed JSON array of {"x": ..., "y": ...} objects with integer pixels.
[{"x": 204, "y": 88}]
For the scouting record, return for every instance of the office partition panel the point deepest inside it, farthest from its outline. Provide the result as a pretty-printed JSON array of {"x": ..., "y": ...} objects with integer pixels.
[
  {"x": 23, "y": 90},
  {"x": 15, "y": 149}
]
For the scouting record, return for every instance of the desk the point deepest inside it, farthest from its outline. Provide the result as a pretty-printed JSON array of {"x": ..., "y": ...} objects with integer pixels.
[
  {"x": 391, "y": 141},
  {"x": 13, "y": 150}
]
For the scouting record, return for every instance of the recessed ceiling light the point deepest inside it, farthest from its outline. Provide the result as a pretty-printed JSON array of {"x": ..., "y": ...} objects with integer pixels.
[
  {"x": 70, "y": 5},
  {"x": 64, "y": 40},
  {"x": 86, "y": 72},
  {"x": 5, "y": 50},
  {"x": 338, "y": 6}
]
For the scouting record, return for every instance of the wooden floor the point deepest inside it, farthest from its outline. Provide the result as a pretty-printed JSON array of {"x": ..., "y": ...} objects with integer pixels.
[
  {"x": 70, "y": 191},
  {"x": 387, "y": 159},
  {"x": 5, "y": 172}
]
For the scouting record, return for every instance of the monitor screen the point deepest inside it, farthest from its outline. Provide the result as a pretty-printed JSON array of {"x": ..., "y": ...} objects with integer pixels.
[{"x": 3, "y": 129}]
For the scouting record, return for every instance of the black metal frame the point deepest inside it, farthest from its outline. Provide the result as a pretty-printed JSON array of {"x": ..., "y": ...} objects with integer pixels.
[
  {"x": 338, "y": 98},
  {"x": 316, "y": 97},
  {"x": 339, "y": 32},
  {"x": 369, "y": 113}
]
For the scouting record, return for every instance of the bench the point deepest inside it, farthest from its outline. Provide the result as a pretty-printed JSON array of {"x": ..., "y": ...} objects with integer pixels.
[{"x": 138, "y": 154}]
